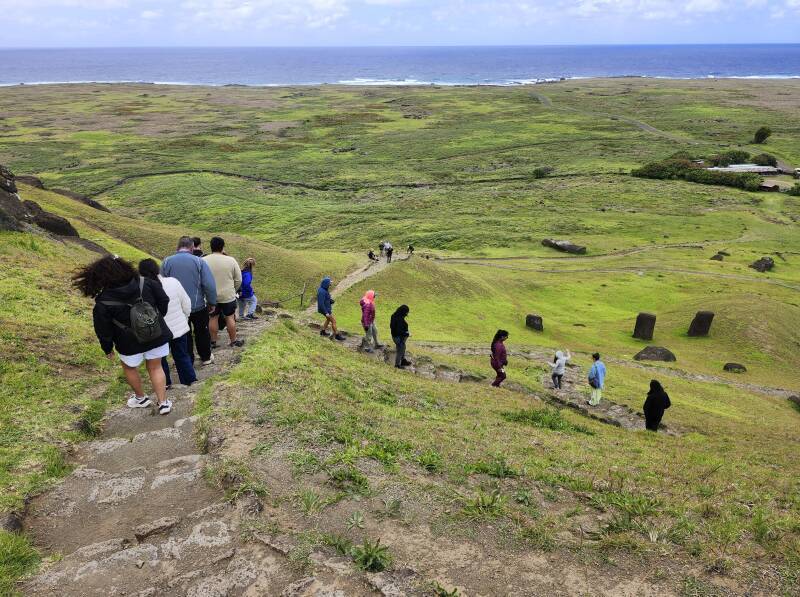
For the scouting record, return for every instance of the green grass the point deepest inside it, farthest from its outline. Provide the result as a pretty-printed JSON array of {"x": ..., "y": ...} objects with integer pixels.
[{"x": 17, "y": 558}]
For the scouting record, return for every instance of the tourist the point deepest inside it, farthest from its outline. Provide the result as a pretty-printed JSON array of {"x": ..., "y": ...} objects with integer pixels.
[
  {"x": 368, "y": 321},
  {"x": 371, "y": 255},
  {"x": 197, "y": 252},
  {"x": 499, "y": 357},
  {"x": 247, "y": 296},
  {"x": 382, "y": 247},
  {"x": 129, "y": 317},
  {"x": 597, "y": 379},
  {"x": 177, "y": 320},
  {"x": 389, "y": 250},
  {"x": 400, "y": 334},
  {"x": 559, "y": 366},
  {"x": 228, "y": 278},
  {"x": 197, "y": 280},
  {"x": 325, "y": 307},
  {"x": 655, "y": 404},
  {"x": 410, "y": 250}
]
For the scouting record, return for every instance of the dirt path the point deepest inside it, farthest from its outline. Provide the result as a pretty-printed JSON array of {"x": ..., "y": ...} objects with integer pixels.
[
  {"x": 548, "y": 103},
  {"x": 137, "y": 518}
]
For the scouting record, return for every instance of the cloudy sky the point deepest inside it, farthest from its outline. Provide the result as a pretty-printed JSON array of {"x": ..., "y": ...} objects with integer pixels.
[{"x": 60, "y": 23}]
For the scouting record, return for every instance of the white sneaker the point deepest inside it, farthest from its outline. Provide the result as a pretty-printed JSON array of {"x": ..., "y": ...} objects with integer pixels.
[
  {"x": 165, "y": 407},
  {"x": 209, "y": 361},
  {"x": 143, "y": 402}
]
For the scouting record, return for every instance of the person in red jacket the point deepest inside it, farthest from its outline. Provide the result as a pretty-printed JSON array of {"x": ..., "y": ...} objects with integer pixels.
[
  {"x": 367, "y": 303},
  {"x": 499, "y": 357}
]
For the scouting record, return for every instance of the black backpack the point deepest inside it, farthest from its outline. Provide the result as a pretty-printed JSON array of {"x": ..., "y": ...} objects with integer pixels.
[{"x": 145, "y": 319}]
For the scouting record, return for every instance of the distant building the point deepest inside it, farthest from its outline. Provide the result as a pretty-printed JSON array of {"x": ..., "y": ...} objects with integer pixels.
[{"x": 742, "y": 168}]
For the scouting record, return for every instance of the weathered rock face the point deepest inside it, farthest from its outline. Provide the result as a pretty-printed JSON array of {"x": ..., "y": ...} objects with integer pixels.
[
  {"x": 795, "y": 400},
  {"x": 645, "y": 326},
  {"x": 564, "y": 246},
  {"x": 735, "y": 368},
  {"x": 701, "y": 324},
  {"x": 31, "y": 181},
  {"x": 49, "y": 221},
  {"x": 655, "y": 353},
  {"x": 82, "y": 198},
  {"x": 764, "y": 264},
  {"x": 535, "y": 322}
]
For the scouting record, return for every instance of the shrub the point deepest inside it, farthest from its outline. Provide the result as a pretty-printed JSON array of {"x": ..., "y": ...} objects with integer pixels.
[
  {"x": 371, "y": 557},
  {"x": 664, "y": 170},
  {"x": 541, "y": 171},
  {"x": 727, "y": 158},
  {"x": 795, "y": 190},
  {"x": 544, "y": 418},
  {"x": 762, "y": 135},
  {"x": 747, "y": 181},
  {"x": 765, "y": 159}
]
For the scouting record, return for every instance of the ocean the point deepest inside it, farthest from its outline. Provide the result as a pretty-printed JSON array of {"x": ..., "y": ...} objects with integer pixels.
[{"x": 516, "y": 65}]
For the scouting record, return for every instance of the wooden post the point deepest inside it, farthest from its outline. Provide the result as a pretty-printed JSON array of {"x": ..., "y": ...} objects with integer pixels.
[{"x": 303, "y": 294}]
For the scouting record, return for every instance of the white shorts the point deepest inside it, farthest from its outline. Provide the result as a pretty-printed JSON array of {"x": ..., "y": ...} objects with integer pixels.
[{"x": 134, "y": 360}]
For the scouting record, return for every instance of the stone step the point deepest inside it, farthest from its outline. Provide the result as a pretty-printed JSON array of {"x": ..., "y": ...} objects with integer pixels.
[
  {"x": 92, "y": 506},
  {"x": 126, "y": 422}
]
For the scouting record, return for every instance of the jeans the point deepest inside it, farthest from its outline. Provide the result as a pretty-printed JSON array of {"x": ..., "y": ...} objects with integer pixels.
[
  {"x": 501, "y": 377},
  {"x": 199, "y": 335},
  {"x": 400, "y": 343},
  {"x": 371, "y": 336},
  {"x": 247, "y": 306},
  {"x": 179, "y": 347},
  {"x": 557, "y": 380}
]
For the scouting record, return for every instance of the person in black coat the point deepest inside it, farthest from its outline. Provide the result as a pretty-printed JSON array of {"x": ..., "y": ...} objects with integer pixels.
[
  {"x": 400, "y": 334},
  {"x": 115, "y": 285},
  {"x": 654, "y": 406}
]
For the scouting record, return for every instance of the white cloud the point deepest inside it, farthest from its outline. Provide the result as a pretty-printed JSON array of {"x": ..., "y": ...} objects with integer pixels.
[{"x": 149, "y": 15}]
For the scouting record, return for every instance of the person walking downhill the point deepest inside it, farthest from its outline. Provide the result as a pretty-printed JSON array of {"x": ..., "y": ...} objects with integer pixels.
[
  {"x": 247, "y": 296},
  {"x": 389, "y": 251},
  {"x": 129, "y": 317},
  {"x": 499, "y": 357},
  {"x": 410, "y": 250},
  {"x": 597, "y": 379},
  {"x": 368, "y": 322},
  {"x": 228, "y": 278},
  {"x": 198, "y": 251},
  {"x": 559, "y": 366},
  {"x": 198, "y": 282},
  {"x": 655, "y": 404},
  {"x": 325, "y": 307},
  {"x": 177, "y": 319},
  {"x": 400, "y": 334}
]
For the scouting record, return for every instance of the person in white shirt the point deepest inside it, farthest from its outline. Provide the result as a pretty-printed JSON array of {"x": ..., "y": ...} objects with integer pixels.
[{"x": 558, "y": 366}]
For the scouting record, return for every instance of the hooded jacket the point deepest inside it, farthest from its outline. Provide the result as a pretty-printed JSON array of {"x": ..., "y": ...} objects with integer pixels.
[
  {"x": 499, "y": 355},
  {"x": 368, "y": 309},
  {"x": 398, "y": 323},
  {"x": 324, "y": 299},
  {"x": 598, "y": 372},
  {"x": 560, "y": 364},
  {"x": 111, "y": 335},
  {"x": 657, "y": 402},
  {"x": 180, "y": 307},
  {"x": 246, "y": 290}
]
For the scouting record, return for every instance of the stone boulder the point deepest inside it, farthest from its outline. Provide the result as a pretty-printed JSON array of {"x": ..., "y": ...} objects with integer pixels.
[
  {"x": 49, "y": 221},
  {"x": 764, "y": 264},
  {"x": 645, "y": 326},
  {"x": 565, "y": 246},
  {"x": 535, "y": 322},
  {"x": 31, "y": 181},
  {"x": 655, "y": 353},
  {"x": 718, "y": 257},
  {"x": 701, "y": 324},
  {"x": 734, "y": 368},
  {"x": 795, "y": 400},
  {"x": 7, "y": 183},
  {"x": 81, "y": 198}
]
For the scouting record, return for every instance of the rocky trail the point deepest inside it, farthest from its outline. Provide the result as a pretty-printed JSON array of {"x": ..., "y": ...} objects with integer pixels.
[{"x": 137, "y": 518}]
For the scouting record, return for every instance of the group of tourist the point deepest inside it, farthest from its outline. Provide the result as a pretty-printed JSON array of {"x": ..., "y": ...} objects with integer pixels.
[
  {"x": 387, "y": 250},
  {"x": 146, "y": 313}
]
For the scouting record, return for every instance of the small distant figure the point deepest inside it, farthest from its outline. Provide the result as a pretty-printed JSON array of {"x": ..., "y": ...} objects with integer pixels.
[
  {"x": 389, "y": 250},
  {"x": 400, "y": 334},
  {"x": 372, "y": 256},
  {"x": 382, "y": 247},
  {"x": 559, "y": 366},
  {"x": 499, "y": 359},
  {"x": 597, "y": 379},
  {"x": 197, "y": 251},
  {"x": 325, "y": 307},
  {"x": 368, "y": 322},
  {"x": 410, "y": 250},
  {"x": 655, "y": 404},
  {"x": 247, "y": 296}
]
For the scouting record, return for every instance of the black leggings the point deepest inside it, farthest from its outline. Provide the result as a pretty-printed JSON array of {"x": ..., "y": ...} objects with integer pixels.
[{"x": 557, "y": 380}]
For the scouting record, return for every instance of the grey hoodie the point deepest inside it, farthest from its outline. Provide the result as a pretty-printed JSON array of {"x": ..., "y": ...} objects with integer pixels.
[{"x": 560, "y": 364}]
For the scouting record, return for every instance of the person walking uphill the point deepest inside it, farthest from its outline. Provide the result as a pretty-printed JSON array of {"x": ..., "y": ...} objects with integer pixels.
[
  {"x": 499, "y": 357},
  {"x": 177, "y": 320},
  {"x": 247, "y": 296},
  {"x": 655, "y": 404},
  {"x": 400, "y": 334},
  {"x": 389, "y": 251},
  {"x": 325, "y": 307},
  {"x": 559, "y": 366},
  {"x": 368, "y": 321},
  {"x": 228, "y": 278},
  {"x": 597, "y": 379},
  {"x": 198, "y": 282},
  {"x": 129, "y": 317}
]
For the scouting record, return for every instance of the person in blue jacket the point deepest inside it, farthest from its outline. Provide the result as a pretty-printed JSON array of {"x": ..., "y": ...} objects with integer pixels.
[
  {"x": 247, "y": 296},
  {"x": 325, "y": 307},
  {"x": 597, "y": 379}
]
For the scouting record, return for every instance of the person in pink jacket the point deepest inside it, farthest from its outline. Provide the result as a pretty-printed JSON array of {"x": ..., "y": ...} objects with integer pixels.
[
  {"x": 499, "y": 357},
  {"x": 367, "y": 303}
]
